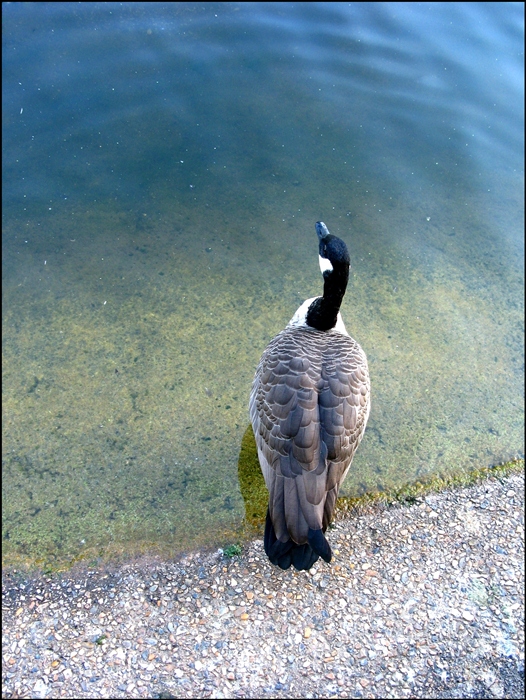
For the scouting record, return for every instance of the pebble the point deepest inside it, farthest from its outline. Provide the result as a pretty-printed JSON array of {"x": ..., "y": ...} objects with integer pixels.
[{"x": 411, "y": 606}]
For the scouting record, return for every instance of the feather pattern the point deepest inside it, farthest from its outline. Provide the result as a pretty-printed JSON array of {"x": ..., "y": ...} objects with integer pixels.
[{"x": 309, "y": 407}]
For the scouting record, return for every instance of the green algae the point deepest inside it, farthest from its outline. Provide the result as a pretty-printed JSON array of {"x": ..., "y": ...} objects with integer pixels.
[
  {"x": 252, "y": 483},
  {"x": 128, "y": 359},
  {"x": 410, "y": 492},
  {"x": 100, "y": 449}
]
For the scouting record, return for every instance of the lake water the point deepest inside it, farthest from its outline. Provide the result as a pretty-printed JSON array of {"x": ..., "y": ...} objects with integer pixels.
[{"x": 163, "y": 169}]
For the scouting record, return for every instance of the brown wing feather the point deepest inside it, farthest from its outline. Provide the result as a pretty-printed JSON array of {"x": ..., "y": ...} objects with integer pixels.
[{"x": 309, "y": 406}]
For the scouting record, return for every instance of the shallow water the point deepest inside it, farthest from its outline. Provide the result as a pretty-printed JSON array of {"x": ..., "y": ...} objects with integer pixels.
[{"x": 163, "y": 170}]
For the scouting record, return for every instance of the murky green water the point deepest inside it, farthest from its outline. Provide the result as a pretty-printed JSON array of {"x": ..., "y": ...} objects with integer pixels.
[{"x": 141, "y": 286}]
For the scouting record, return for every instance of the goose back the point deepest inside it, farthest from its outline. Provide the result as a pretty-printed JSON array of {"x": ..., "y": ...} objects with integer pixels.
[{"x": 308, "y": 407}]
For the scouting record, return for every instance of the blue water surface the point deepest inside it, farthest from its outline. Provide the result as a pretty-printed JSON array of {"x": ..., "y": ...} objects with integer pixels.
[{"x": 163, "y": 169}]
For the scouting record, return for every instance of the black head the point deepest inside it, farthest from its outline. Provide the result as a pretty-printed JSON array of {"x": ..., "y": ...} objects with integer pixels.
[{"x": 332, "y": 250}]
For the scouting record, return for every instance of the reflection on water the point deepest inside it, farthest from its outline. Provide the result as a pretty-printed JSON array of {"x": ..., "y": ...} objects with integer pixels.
[{"x": 153, "y": 244}]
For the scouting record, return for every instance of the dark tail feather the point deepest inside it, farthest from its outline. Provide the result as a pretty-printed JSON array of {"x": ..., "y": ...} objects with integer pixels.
[
  {"x": 278, "y": 552},
  {"x": 269, "y": 538},
  {"x": 302, "y": 556},
  {"x": 319, "y": 544}
]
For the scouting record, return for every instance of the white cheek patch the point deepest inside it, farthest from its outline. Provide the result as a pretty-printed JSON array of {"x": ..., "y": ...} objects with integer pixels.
[{"x": 325, "y": 265}]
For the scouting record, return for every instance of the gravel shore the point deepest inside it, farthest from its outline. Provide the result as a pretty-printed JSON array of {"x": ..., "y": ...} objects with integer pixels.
[{"x": 422, "y": 601}]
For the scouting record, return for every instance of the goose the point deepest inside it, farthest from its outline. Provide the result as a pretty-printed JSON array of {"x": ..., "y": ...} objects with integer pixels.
[{"x": 309, "y": 405}]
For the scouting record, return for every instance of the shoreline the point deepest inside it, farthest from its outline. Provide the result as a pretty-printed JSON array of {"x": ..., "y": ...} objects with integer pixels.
[{"x": 421, "y": 600}]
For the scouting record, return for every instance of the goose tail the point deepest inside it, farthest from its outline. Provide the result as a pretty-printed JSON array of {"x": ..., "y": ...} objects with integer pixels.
[{"x": 301, "y": 556}]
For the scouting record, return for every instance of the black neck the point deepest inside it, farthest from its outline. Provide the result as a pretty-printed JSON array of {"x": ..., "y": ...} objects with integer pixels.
[{"x": 323, "y": 312}]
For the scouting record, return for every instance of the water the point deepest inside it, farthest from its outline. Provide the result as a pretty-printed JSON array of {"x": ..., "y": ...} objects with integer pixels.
[{"x": 163, "y": 168}]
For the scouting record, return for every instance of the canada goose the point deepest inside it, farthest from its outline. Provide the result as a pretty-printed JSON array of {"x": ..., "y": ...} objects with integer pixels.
[{"x": 309, "y": 405}]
